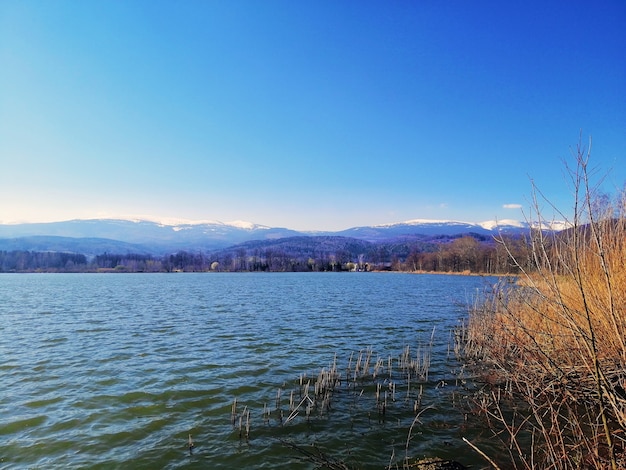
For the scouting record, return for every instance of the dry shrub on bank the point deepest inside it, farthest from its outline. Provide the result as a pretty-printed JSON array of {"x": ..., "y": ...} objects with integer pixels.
[{"x": 556, "y": 341}]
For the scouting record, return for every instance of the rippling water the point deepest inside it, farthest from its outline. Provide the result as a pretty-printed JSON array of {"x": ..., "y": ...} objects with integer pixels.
[{"x": 115, "y": 371}]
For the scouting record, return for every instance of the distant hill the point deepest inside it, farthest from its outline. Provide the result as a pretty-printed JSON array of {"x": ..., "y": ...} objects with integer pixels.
[
  {"x": 147, "y": 237},
  {"x": 319, "y": 246},
  {"x": 327, "y": 250},
  {"x": 86, "y": 246}
]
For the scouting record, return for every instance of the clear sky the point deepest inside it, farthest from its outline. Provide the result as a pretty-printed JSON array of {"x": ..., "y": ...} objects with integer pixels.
[{"x": 311, "y": 115}]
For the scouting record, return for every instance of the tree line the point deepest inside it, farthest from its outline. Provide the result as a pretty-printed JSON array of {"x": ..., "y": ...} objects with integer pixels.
[
  {"x": 466, "y": 254},
  {"x": 28, "y": 261}
]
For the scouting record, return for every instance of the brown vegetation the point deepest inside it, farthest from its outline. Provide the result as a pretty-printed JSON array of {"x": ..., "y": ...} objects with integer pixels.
[{"x": 553, "y": 347}]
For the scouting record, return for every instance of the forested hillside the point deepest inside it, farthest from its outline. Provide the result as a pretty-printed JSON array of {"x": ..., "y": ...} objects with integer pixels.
[{"x": 471, "y": 253}]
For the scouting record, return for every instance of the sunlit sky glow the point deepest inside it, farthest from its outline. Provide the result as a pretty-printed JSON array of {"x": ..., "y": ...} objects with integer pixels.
[{"x": 316, "y": 115}]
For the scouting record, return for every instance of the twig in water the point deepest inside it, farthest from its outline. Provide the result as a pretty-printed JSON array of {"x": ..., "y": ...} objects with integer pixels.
[
  {"x": 248, "y": 425},
  {"x": 482, "y": 454},
  {"x": 408, "y": 438},
  {"x": 278, "y": 399},
  {"x": 317, "y": 457},
  {"x": 294, "y": 413},
  {"x": 233, "y": 415}
]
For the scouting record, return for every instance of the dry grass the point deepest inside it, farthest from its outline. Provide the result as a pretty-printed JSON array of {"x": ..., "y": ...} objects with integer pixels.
[{"x": 555, "y": 343}]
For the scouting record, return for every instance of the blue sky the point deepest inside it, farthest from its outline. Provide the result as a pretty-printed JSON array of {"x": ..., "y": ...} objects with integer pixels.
[{"x": 314, "y": 115}]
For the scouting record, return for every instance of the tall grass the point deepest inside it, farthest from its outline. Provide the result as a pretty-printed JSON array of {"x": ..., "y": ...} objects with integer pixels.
[{"x": 553, "y": 347}]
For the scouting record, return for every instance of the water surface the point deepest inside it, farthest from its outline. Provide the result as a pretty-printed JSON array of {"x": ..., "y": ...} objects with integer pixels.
[{"x": 115, "y": 371}]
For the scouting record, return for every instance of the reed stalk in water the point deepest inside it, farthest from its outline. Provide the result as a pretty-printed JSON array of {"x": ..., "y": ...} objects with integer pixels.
[{"x": 323, "y": 392}]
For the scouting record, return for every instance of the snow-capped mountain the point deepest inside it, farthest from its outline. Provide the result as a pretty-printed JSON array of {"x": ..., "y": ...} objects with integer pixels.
[
  {"x": 146, "y": 236},
  {"x": 434, "y": 228},
  {"x": 169, "y": 236}
]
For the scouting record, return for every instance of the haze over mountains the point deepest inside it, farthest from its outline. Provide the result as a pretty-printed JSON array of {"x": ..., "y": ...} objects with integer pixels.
[{"x": 95, "y": 236}]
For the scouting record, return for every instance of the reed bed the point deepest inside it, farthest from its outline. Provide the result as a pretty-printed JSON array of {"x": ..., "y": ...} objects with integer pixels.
[
  {"x": 552, "y": 348},
  {"x": 389, "y": 378},
  {"x": 368, "y": 383}
]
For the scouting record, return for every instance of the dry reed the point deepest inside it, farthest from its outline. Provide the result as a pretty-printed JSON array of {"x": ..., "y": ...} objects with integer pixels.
[
  {"x": 318, "y": 394},
  {"x": 555, "y": 343}
]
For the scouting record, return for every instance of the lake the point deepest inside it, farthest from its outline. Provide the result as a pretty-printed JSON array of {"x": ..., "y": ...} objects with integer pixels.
[{"x": 117, "y": 370}]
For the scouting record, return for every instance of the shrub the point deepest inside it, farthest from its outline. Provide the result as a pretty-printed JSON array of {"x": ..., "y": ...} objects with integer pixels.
[{"x": 555, "y": 343}]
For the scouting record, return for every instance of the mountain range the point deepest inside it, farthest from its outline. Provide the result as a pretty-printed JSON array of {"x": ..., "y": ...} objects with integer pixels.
[{"x": 97, "y": 236}]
